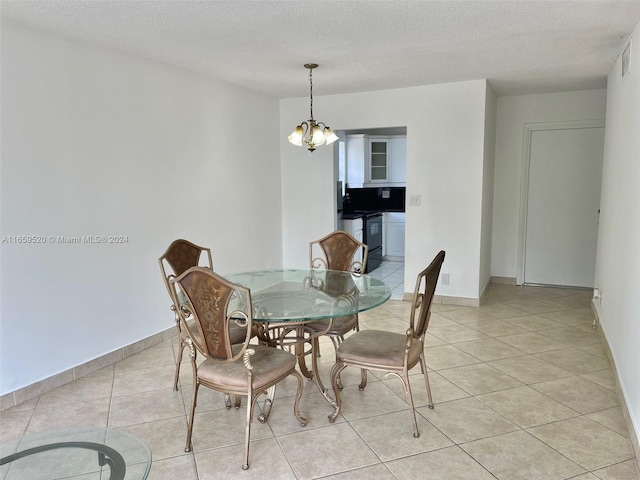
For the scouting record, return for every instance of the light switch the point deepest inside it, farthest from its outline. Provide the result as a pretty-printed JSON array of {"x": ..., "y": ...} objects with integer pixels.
[{"x": 415, "y": 199}]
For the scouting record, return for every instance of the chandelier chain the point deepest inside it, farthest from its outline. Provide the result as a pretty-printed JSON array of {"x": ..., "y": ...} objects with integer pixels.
[{"x": 311, "y": 92}]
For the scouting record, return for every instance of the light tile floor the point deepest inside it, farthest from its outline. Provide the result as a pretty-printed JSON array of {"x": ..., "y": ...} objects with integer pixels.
[
  {"x": 392, "y": 273},
  {"x": 522, "y": 386}
]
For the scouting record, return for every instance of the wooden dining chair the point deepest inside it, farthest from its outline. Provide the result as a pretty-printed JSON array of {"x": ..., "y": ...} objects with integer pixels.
[
  {"x": 390, "y": 352},
  {"x": 177, "y": 259},
  {"x": 243, "y": 369}
]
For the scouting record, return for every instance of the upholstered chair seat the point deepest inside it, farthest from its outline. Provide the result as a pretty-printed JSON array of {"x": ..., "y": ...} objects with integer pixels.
[
  {"x": 269, "y": 367},
  {"x": 389, "y": 347},
  {"x": 339, "y": 326}
]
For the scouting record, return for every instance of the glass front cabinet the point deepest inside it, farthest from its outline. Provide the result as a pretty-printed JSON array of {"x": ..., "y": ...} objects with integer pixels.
[{"x": 379, "y": 160}]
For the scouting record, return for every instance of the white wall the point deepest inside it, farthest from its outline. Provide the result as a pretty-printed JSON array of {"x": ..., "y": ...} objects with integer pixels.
[
  {"x": 445, "y": 161},
  {"x": 96, "y": 142},
  {"x": 513, "y": 113},
  {"x": 488, "y": 176},
  {"x": 618, "y": 260}
]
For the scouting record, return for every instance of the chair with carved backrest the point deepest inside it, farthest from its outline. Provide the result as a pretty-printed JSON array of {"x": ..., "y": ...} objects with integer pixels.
[
  {"x": 177, "y": 259},
  {"x": 212, "y": 304},
  {"x": 337, "y": 251},
  {"x": 390, "y": 352}
]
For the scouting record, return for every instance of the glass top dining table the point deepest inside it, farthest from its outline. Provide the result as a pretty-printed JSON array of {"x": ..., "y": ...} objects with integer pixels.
[
  {"x": 304, "y": 295},
  {"x": 283, "y": 301},
  {"x": 90, "y": 453}
]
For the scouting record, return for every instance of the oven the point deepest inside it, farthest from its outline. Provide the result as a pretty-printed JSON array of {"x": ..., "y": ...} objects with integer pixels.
[{"x": 372, "y": 237}]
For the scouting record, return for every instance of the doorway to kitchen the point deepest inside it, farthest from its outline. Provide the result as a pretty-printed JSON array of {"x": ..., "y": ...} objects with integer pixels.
[{"x": 370, "y": 171}]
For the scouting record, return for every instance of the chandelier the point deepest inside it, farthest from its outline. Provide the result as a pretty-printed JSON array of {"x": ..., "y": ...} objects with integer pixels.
[{"x": 310, "y": 132}]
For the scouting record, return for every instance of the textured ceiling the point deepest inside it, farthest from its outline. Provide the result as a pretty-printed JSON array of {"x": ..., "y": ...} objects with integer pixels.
[{"x": 531, "y": 46}]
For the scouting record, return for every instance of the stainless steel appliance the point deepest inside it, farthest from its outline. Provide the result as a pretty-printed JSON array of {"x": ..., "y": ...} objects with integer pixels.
[{"x": 372, "y": 236}]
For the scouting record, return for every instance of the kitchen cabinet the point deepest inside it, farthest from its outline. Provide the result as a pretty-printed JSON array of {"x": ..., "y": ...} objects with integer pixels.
[
  {"x": 394, "y": 233},
  {"x": 355, "y": 160},
  {"x": 376, "y": 160},
  {"x": 398, "y": 160},
  {"x": 354, "y": 227}
]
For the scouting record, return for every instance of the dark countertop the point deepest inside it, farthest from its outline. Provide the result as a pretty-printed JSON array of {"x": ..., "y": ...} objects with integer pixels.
[{"x": 363, "y": 213}]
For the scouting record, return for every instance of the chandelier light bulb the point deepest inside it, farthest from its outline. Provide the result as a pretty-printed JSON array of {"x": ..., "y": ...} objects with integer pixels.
[
  {"x": 296, "y": 136},
  {"x": 329, "y": 136},
  {"x": 317, "y": 135}
]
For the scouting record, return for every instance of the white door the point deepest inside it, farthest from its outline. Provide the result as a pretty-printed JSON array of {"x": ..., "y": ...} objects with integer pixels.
[{"x": 565, "y": 175}]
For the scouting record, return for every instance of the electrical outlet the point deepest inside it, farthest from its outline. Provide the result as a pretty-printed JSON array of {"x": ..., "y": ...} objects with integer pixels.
[
  {"x": 444, "y": 278},
  {"x": 597, "y": 295}
]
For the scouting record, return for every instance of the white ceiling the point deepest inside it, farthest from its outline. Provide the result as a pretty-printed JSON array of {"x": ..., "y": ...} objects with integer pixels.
[{"x": 530, "y": 46}]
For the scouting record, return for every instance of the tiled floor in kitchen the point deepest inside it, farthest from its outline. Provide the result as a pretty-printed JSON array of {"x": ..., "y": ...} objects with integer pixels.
[{"x": 522, "y": 386}]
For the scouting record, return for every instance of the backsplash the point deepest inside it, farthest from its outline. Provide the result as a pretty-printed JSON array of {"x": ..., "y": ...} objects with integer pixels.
[{"x": 389, "y": 199}]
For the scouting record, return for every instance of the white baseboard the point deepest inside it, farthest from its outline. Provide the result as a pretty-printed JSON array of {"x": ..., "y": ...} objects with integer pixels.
[
  {"x": 503, "y": 280},
  {"x": 447, "y": 300},
  {"x": 23, "y": 394},
  {"x": 633, "y": 434}
]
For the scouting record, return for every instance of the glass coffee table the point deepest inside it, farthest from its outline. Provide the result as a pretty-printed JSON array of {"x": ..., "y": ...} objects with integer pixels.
[{"x": 83, "y": 453}]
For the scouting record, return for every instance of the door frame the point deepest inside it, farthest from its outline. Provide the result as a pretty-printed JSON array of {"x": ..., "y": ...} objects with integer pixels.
[{"x": 529, "y": 128}]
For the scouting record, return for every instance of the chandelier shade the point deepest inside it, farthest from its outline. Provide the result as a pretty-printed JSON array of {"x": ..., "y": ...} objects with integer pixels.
[{"x": 310, "y": 132}]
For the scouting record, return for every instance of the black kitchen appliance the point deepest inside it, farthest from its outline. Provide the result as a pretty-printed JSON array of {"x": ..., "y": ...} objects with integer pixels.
[{"x": 372, "y": 237}]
